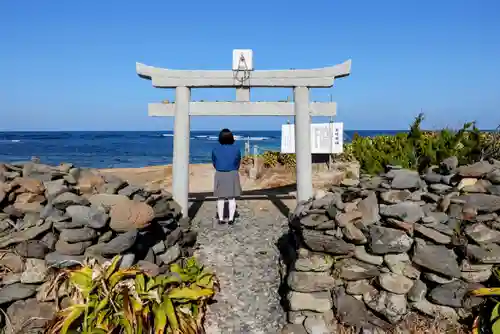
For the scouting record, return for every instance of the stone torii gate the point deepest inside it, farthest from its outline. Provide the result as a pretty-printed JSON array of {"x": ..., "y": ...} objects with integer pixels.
[{"x": 242, "y": 77}]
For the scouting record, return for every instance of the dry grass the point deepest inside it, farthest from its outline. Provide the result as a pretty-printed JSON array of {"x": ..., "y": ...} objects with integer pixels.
[
  {"x": 416, "y": 324},
  {"x": 3, "y": 269}
]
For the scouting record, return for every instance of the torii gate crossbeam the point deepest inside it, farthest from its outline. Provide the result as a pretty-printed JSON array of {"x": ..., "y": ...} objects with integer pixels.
[{"x": 301, "y": 108}]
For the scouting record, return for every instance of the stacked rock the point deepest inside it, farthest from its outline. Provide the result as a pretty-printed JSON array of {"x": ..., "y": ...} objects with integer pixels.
[
  {"x": 57, "y": 216},
  {"x": 374, "y": 249}
]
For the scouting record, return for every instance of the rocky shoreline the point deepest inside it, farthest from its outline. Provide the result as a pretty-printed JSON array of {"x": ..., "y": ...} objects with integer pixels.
[
  {"x": 53, "y": 217},
  {"x": 374, "y": 249}
]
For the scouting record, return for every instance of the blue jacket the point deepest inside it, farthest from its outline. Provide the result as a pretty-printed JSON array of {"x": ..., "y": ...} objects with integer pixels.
[{"x": 226, "y": 158}]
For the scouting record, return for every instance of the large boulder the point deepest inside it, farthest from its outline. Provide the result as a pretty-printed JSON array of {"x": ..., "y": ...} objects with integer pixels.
[{"x": 130, "y": 215}]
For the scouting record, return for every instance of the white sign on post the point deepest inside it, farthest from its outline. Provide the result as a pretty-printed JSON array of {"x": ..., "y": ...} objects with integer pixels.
[{"x": 326, "y": 138}]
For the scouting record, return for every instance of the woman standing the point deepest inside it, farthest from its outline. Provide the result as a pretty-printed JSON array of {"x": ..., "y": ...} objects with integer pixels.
[{"x": 226, "y": 158}]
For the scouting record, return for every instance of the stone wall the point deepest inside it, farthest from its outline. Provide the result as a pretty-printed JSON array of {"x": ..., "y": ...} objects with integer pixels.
[
  {"x": 56, "y": 216},
  {"x": 371, "y": 251}
]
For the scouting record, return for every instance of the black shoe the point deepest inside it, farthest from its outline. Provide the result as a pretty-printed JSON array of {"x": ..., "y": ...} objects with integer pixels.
[
  {"x": 218, "y": 220},
  {"x": 231, "y": 222}
]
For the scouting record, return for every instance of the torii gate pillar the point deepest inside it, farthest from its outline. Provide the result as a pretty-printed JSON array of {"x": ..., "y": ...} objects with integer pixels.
[
  {"x": 300, "y": 80},
  {"x": 303, "y": 143},
  {"x": 180, "y": 166}
]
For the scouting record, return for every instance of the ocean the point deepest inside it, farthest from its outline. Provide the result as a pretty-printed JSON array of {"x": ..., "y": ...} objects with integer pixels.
[{"x": 127, "y": 148}]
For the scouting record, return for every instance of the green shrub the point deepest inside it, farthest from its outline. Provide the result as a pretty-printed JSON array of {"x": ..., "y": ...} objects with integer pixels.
[
  {"x": 415, "y": 149},
  {"x": 288, "y": 160},
  {"x": 270, "y": 159},
  {"x": 418, "y": 149}
]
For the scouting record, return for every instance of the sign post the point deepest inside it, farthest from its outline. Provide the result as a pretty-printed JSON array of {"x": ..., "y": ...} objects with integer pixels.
[{"x": 325, "y": 138}]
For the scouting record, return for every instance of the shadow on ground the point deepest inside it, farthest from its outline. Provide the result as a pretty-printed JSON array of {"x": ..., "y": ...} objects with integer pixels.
[
  {"x": 276, "y": 195},
  {"x": 286, "y": 244}
]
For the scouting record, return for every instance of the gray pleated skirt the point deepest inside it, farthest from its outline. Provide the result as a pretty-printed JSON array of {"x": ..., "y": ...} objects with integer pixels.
[{"x": 227, "y": 184}]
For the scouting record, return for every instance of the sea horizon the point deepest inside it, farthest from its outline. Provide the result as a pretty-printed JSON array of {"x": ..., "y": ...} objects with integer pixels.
[
  {"x": 132, "y": 149},
  {"x": 382, "y": 131}
]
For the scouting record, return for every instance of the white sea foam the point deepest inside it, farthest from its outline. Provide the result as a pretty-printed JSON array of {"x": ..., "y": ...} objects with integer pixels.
[
  {"x": 236, "y": 137},
  {"x": 251, "y": 138}
]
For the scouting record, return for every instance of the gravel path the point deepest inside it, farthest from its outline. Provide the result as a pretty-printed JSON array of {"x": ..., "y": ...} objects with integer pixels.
[{"x": 245, "y": 258}]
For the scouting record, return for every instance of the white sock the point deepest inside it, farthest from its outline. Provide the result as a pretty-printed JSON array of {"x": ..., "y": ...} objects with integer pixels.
[
  {"x": 232, "y": 208},
  {"x": 220, "y": 208}
]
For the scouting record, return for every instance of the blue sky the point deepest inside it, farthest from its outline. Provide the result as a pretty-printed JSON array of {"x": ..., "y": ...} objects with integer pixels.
[{"x": 70, "y": 65}]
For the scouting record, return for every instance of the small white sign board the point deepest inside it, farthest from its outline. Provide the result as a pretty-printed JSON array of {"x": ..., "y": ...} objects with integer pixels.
[
  {"x": 242, "y": 59},
  {"x": 326, "y": 138}
]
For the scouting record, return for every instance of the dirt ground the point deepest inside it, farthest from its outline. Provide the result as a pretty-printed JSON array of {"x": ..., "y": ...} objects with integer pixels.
[
  {"x": 276, "y": 182},
  {"x": 201, "y": 177}
]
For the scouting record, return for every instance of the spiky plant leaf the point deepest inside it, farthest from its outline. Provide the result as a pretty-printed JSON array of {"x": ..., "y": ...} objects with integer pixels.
[
  {"x": 126, "y": 325},
  {"x": 112, "y": 267},
  {"x": 140, "y": 283},
  {"x": 205, "y": 280},
  {"x": 70, "y": 315},
  {"x": 99, "y": 331},
  {"x": 120, "y": 275},
  {"x": 475, "y": 325},
  {"x": 486, "y": 292},
  {"x": 180, "y": 272},
  {"x": 82, "y": 279},
  {"x": 171, "y": 314},
  {"x": 495, "y": 319},
  {"x": 160, "y": 318},
  {"x": 190, "y": 293},
  {"x": 187, "y": 325}
]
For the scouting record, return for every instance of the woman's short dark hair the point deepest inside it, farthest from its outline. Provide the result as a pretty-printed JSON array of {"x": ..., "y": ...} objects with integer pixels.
[{"x": 226, "y": 137}]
